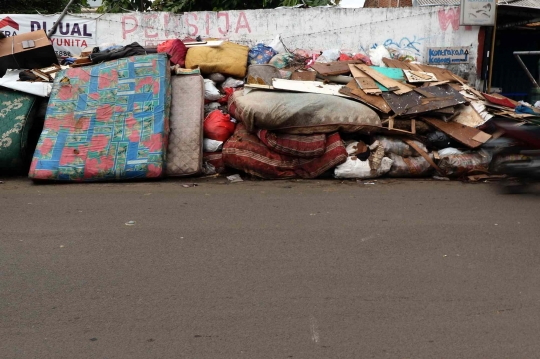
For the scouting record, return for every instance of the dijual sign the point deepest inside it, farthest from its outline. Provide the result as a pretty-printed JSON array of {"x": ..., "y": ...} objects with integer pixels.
[{"x": 72, "y": 35}]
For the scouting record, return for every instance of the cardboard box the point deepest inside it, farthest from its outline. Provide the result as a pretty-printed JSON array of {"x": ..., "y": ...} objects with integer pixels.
[{"x": 31, "y": 50}]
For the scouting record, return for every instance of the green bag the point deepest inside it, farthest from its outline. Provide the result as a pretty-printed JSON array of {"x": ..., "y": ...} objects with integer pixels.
[{"x": 16, "y": 117}]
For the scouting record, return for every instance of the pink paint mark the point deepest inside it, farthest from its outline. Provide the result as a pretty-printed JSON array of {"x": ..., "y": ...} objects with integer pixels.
[
  {"x": 207, "y": 24},
  {"x": 449, "y": 17},
  {"x": 195, "y": 30},
  {"x": 239, "y": 25},
  {"x": 147, "y": 20},
  {"x": 227, "y": 22},
  {"x": 126, "y": 31}
]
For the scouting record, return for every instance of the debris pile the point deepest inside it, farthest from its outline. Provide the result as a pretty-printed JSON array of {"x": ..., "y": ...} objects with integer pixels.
[{"x": 194, "y": 107}]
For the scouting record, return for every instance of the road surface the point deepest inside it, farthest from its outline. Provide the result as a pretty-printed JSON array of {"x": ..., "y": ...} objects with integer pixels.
[{"x": 277, "y": 269}]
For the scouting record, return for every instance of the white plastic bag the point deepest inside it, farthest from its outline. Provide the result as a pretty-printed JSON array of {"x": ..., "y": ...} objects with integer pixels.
[
  {"x": 377, "y": 54},
  {"x": 331, "y": 55},
  {"x": 209, "y": 107},
  {"x": 354, "y": 168},
  {"x": 210, "y": 145},
  {"x": 398, "y": 147},
  {"x": 449, "y": 151},
  {"x": 233, "y": 83},
  {"x": 211, "y": 93},
  {"x": 277, "y": 45}
]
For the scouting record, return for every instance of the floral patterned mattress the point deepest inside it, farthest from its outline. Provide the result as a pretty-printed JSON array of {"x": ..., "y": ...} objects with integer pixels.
[{"x": 106, "y": 122}]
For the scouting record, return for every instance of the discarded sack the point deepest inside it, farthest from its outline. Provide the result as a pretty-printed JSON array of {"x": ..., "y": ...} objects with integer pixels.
[
  {"x": 260, "y": 54},
  {"x": 176, "y": 50},
  {"x": 438, "y": 140},
  {"x": 409, "y": 166},
  {"x": 212, "y": 145},
  {"x": 281, "y": 61},
  {"x": 355, "y": 168},
  {"x": 398, "y": 146},
  {"x": 232, "y": 83},
  {"x": 213, "y": 163},
  {"x": 211, "y": 93},
  {"x": 218, "y": 126},
  {"x": 245, "y": 152},
  {"x": 228, "y": 59},
  {"x": 305, "y": 146},
  {"x": 301, "y": 113},
  {"x": 461, "y": 165}
]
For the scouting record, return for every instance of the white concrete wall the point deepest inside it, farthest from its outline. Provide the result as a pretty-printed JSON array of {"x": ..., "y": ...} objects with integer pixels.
[{"x": 406, "y": 30}]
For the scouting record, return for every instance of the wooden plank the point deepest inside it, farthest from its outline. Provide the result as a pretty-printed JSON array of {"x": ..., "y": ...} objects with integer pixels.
[
  {"x": 376, "y": 102},
  {"x": 396, "y": 64},
  {"x": 424, "y": 93},
  {"x": 366, "y": 83},
  {"x": 383, "y": 80},
  {"x": 304, "y": 76},
  {"x": 307, "y": 87},
  {"x": 334, "y": 68},
  {"x": 442, "y": 74},
  {"x": 463, "y": 134}
]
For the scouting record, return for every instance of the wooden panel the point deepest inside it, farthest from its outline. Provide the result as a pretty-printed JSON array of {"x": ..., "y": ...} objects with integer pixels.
[
  {"x": 304, "y": 76},
  {"x": 385, "y": 81},
  {"x": 470, "y": 137},
  {"x": 334, "y": 68},
  {"x": 374, "y": 101},
  {"x": 414, "y": 103},
  {"x": 396, "y": 64}
]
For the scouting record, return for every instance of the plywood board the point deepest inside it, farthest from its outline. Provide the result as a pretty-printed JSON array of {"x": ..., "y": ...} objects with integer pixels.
[
  {"x": 419, "y": 76},
  {"x": 384, "y": 80},
  {"x": 307, "y": 87},
  {"x": 334, "y": 68},
  {"x": 470, "y": 137},
  {"x": 414, "y": 103},
  {"x": 374, "y": 101},
  {"x": 442, "y": 74},
  {"x": 396, "y": 64},
  {"x": 304, "y": 76}
]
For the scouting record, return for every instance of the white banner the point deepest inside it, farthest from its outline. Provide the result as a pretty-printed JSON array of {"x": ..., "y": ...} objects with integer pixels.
[{"x": 72, "y": 35}]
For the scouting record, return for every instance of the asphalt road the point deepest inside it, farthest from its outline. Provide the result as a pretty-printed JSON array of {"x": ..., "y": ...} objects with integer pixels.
[{"x": 284, "y": 269}]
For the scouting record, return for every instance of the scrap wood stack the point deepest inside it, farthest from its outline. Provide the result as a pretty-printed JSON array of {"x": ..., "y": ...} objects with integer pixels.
[{"x": 117, "y": 113}]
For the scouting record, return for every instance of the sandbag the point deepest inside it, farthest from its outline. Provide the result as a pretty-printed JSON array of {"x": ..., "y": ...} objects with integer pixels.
[
  {"x": 409, "y": 166},
  {"x": 176, "y": 50},
  {"x": 228, "y": 59},
  {"x": 355, "y": 168},
  {"x": 305, "y": 146},
  {"x": 301, "y": 113},
  {"x": 246, "y": 152},
  {"x": 461, "y": 165},
  {"x": 218, "y": 126},
  {"x": 398, "y": 147}
]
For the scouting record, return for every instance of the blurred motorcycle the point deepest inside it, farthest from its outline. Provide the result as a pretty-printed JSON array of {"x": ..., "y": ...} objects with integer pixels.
[{"x": 517, "y": 155}]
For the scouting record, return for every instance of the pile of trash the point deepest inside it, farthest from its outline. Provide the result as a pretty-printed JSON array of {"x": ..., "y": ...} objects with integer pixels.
[{"x": 194, "y": 107}]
